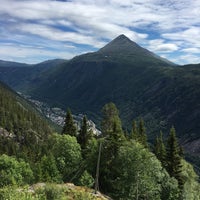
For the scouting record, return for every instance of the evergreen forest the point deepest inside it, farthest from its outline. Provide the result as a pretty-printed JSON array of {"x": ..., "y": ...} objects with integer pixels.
[{"x": 119, "y": 163}]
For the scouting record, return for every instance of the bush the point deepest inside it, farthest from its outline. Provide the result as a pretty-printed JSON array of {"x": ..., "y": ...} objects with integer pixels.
[
  {"x": 13, "y": 193},
  {"x": 86, "y": 180},
  {"x": 14, "y": 172},
  {"x": 51, "y": 192}
]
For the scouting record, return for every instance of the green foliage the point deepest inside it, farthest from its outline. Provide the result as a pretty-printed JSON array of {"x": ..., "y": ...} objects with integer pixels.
[
  {"x": 111, "y": 124},
  {"x": 17, "y": 116},
  {"x": 140, "y": 175},
  {"x": 142, "y": 137},
  {"x": 14, "y": 172},
  {"x": 191, "y": 190},
  {"x": 138, "y": 132},
  {"x": 49, "y": 170},
  {"x": 48, "y": 192},
  {"x": 128, "y": 170},
  {"x": 23, "y": 131},
  {"x": 173, "y": 158},
  {"x": 91, "y": 155},
  {"x": 67, "y": 153},
  {"x": 51, "y": 192},
  {"x": 69, "y": 126},
  {"x": 114, "y": 138},
  {"x": 86, "y": 180},
  {"x": 112, "y": 130},
  {"x": 110, "y": 119},
  {"x": 134, "y": 131},
  {"x": 14, "y": 193},
  {"x": 84, "y": 134},
  {"x": 66, "y": 192},
  {"x": 160, "y": 150},
  {"x": 169, "y": 188}
]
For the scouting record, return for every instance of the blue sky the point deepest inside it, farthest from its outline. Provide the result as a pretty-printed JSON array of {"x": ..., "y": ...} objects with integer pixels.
[{"x": 32, "y": 31}]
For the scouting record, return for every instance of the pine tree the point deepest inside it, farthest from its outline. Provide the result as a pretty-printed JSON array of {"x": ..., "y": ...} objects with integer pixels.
[
  {"x": 69, "y": 126},
  {"x": 110, "y": 117},
  {"x": 84, "y": 133},
  {"x": 112, "y": 128},
  {"x": 181, "y": 151},
  {"x": 173, "y": 159},
  {"x": 127, "y": 134},
  {"x": 134, "y": 131},
  {"x": 142, "y": 137},
  {"x": 113, "y": 140},
  {"x": 49, "y": 169},
  {"x": 160, "y": 150}
]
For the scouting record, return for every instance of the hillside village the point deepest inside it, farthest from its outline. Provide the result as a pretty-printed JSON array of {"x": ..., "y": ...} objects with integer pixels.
[{"x": 57, "y": 115}]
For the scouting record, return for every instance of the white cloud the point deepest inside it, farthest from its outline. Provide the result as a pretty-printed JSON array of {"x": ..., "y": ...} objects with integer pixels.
[
  {"x": 163, "y": 26},
  {"x": 159, "y": 45},
  {"x": 31, "y": 54},
  {"x": 189, "y": 37},
  {"x": 166, "y": 48},
  {"x": 187, "y": 58},
  {"x": 58, "y": 35},
  {"x": 191, "y": 50}
]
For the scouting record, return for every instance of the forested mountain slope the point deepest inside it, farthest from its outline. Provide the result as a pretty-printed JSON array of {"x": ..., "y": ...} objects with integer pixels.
[
  {"x": 21, "y": 76},
  {"x": 139, "y": 82},
  {"x": 30, "y": 154},
  {"x": 21, "y": 126}
]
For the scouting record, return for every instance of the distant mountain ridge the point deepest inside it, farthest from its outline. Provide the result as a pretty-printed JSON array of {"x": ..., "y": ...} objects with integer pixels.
[
  {"x": 4, "y": 63},
  {"x": 19, "y": 75},
  {"x": 138, "y": 81}
]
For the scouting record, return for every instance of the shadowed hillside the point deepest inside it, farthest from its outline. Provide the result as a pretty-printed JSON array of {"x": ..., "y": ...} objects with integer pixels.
[{"x": 139, "y": 82}]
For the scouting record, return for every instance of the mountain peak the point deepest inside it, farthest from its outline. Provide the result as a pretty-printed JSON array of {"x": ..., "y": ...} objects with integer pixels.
[
  {"x": 121, "y": 44},
  {"x": 122, "y": 37}
]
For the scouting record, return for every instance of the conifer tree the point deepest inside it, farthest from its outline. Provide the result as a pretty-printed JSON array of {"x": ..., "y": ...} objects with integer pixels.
[
  {"x": 181, "y": 151},
  {"x": 49, "y": 169},
  {"x": 114, "y": 138},
  {"x": 84, "y": 133},
  {"x": 69, "y": 126},
  {"x": 134, "y": 131},
  {"x": 127, "y": 134},
  {"x": 112, "y": 128},
  {"x": 160, "y": 149},
  {"x": 173, "y": 159},
  {"x": 142, "y": 137},
  {"x": 110, "y": 117}
]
